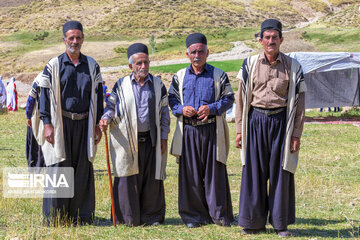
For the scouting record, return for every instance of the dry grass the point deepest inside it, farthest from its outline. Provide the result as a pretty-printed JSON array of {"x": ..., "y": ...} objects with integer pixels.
[
  {"x": 137, "y": 17},
  {"x": 318, "y": 5},
  {"x": 345, "y": 17},
  {"x": 114, "y": 21},
  {"x": 327, "y": 192}
]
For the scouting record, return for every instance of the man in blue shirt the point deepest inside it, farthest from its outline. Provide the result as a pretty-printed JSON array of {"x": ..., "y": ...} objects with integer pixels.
[
  {"x": 199, "y": 97},
  {"x": 71, "y": 105}
]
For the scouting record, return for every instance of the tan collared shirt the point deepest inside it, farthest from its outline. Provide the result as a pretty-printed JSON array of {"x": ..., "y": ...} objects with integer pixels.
[
  {"x": 270, "y": 90},
  {"x": 271, "y": 82}
]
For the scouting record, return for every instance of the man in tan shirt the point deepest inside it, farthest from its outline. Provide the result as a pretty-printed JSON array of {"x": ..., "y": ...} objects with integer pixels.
[{"x": 269, "y": 121}]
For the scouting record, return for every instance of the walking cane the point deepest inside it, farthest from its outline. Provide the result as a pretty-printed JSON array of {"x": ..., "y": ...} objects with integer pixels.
[{"x": 110, "y": 181}]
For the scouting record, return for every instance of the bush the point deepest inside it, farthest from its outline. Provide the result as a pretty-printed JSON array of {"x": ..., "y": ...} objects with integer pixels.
[
  {"x": 41, "y": 36},
  {"x": 120, "y": 50}
]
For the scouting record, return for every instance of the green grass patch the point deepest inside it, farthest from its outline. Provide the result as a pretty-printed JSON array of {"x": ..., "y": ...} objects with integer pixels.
[
  {"x": 333, "y": 39},
  {"x": 30, "y": 41},
  {"x": 226, "y": 66}
]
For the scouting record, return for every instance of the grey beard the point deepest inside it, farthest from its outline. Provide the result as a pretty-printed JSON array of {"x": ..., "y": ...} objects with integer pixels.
[{"x": 69, "y": 49}]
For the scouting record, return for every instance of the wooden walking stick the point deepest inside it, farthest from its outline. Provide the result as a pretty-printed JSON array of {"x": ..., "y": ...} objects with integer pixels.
[{"x": 110, "y": 181}]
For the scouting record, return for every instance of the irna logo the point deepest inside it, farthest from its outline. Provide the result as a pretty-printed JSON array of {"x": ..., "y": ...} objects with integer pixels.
[{"x": 37, "y": 180}]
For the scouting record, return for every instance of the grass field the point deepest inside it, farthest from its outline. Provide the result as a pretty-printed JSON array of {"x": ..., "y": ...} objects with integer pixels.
[
  {"x": 327, "y": 192},
  {"x": 333, "y": 39},
  {"x": 226, "y": 66}
]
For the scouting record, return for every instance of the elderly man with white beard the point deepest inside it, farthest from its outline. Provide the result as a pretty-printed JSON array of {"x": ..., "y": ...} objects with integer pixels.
[{"x": 138, "y": 115}]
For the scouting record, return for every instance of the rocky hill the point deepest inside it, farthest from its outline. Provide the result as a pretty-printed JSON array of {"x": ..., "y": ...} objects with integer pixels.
[{"x": 137, "y": 17}]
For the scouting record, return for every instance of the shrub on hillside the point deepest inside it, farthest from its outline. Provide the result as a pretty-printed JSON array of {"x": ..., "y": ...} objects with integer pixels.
[
  {"x": 41, "y": 36},
  {"x": 120, "y": 50}
]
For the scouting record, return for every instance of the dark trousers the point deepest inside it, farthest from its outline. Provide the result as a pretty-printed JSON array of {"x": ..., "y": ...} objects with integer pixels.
[
  {"x": 80, "y": 208},
  {"x": 140, "y": 199},
  {"x": 204, "y": 193},
  {"x": 265, "y": 142},
  {"x": 33, "y": 152}
]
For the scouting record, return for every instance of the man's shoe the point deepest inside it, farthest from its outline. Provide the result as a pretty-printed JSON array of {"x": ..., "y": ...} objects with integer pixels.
[
  {"x": 283, "y": 233},
  {"x": 247, "y": 231},
  {"x": 193, "y": 225},
  {"x": 156, "y": 224}
]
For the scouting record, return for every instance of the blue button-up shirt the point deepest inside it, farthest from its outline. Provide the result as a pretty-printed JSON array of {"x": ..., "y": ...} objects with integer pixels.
[
  {"x": 199, "y": 90},
  {"x": 30, "y": 107},
  {"x": 75, "y": 87}
]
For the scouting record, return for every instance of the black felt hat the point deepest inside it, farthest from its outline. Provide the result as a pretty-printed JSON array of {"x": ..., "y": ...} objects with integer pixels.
[
  {"x": 137, "y": 48},
  {"x": 70, "y": 25},
  {"x": 195, "y": 38},
  {"x": 271, "y": 24}
]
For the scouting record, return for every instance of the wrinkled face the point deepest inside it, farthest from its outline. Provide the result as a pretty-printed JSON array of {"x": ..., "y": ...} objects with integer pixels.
[
  {"x": 197, "y": 53},
  {"x": 141, "y": 65},
  {"x": 73, "y": 40},
  {"x": 271, "y": 42}
]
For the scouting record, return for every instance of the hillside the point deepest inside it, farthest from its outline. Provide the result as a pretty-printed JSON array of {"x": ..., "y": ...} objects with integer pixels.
[
  {"x": 137, "y": 17},
  {"x": 30, "y": 30}
]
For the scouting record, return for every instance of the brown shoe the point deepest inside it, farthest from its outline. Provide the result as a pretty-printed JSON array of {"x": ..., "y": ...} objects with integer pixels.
[
  {"x": 247, "y": 231},
  {"x": 283, "y": 233}
]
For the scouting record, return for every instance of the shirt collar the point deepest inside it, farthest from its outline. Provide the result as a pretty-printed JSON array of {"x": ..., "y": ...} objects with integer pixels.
[
  {"x": 206, "y": 69},
  {"x": 263, "y": 58},
  {"x": 148, "y": 78},
  {"x": 82, "y": 59}
]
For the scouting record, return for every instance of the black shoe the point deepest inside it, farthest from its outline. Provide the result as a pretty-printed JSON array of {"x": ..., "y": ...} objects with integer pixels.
[
  {"x": 193, "y": 225},
  {"x": 283, "y": 233},
  {"x": 247, "y": 231}
]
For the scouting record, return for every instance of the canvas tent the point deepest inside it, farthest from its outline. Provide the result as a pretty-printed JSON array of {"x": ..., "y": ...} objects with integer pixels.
[{"x": 332, "y": 78}]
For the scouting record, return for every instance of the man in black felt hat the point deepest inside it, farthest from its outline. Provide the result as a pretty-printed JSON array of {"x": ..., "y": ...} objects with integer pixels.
[
  {"x": 71, "y": 105},
  {"x": 199, "y": 97},
  {"x": 138, "y": 114},
  {"x": 269, "y": 121}
]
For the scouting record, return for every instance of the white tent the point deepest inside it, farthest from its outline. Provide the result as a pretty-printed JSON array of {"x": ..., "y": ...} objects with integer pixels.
[{"x": 332, "y": 78}]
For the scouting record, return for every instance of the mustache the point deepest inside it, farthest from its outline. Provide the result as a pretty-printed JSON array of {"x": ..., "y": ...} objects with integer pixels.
[
  {"x": 144, "y": 72},
  {"x": 72, "y": 44},
  {"x": 272, "y": 44}
]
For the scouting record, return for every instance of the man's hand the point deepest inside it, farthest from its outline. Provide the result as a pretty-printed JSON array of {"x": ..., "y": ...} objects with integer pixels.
[
  {"x": 238, "y": 141},
  {"x": 294, "y": 144},
  {"x": 28, "y": 123},
  {"x": 203, "y": 112},
  {"x": 163, "y": 145},
  {"x": 49, "y": 133},
  {"x": 189, "y": 111},
  {"x": 103, "y": 124},
  {"x": 98, "y": 135}
]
